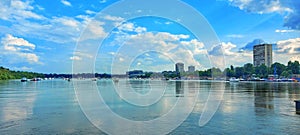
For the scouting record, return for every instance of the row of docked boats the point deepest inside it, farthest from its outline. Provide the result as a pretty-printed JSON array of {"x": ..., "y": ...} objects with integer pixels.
[
  {"x": 24, "y": 79},
  {"x": 233, "y": 79}
]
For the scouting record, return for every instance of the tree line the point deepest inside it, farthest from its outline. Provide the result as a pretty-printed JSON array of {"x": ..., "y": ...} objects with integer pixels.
[
  {"x": 6, "y": 74},
  {"x": 245, "y": 71},
  {"x": 262, "y": 71}
]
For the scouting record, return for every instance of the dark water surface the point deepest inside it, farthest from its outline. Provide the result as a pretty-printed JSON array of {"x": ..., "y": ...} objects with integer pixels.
[{"x": 51, "y": 107}]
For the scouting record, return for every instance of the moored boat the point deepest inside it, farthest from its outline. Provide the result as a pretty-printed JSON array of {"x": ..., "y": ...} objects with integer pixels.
[
  {"x": 36, "y": 79},
  {"x": 233, "y": 79},
  {"x": 24, "y": 79}
]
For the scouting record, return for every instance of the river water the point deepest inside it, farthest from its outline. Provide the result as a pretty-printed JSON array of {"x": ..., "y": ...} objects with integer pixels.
[{"x": 51, "y": 106}]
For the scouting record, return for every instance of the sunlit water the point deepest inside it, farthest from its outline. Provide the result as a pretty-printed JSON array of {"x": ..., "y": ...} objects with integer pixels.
[{"x": 51, "y": 106}]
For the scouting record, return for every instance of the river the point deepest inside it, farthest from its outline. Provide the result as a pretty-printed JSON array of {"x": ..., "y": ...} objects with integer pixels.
[{"x": 52, "y": 107}]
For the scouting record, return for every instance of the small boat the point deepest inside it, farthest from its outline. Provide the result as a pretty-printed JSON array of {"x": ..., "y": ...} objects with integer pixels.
[
  {"x": 36, "y": 79},
  {"x": 165, "y": 79},
  {"x": 24, "y": 79},
  {"x": 233, "y": 79}
]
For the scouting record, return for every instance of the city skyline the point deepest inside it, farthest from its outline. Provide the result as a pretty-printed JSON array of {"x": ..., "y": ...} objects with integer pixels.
[{"x": 41, "y": 37}]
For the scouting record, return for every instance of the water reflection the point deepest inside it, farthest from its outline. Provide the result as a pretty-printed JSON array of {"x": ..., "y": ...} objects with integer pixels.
[
  {"x": 50, "y": 107},
  {"x": 13, "y": 106},
  {"x": 193, "y": 86},
  {"x": 179, "y": 89},
  {"x": 263, "y": 100},
  {"x": 140, "y": 86}
]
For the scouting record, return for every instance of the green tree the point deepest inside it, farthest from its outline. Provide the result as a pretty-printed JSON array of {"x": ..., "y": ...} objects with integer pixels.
[
  {"x": 216, "y": 72},
  {"x": 239, "y": 72},
  {"x": 6, "y": 74},
  {"x": 286, "y": 73},
  {"x": 293, "y": 66},
  {"x": 278, "y": 68},
  {"x": 248, "y": 69},
  {"x": 261, "y": 71},
  {"x": 229, "y": 72}
]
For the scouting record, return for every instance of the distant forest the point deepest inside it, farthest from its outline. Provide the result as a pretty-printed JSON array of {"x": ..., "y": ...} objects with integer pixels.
[{"x": 6, "y": 74}]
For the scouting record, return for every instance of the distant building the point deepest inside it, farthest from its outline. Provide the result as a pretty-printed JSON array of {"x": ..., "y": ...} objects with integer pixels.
[
  {"x": 191, "y": 69},
  {"x": 179, "y": 67},
  {"x": 262, "y": 54}
]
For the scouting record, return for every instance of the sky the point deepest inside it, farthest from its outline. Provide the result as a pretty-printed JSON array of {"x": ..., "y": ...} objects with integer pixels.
[{"x": 111, "y": 36}]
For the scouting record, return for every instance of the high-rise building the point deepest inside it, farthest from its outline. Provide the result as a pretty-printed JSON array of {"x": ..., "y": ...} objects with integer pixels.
[
  {"x": 262, "y": 54},
  {"x": 191, "y": 69},
  {"x": 179, "y": 67}
]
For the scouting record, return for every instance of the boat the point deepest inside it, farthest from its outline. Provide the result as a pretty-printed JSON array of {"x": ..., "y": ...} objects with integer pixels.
[
  {"x": 36, "y": 79},
  {"x": 233, "y": 79},
  {"x": 24, "y": 79},
  {"x": 165, "y": 79}
]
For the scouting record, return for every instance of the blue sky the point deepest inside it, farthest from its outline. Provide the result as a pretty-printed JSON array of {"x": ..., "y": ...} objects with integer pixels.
[{"x": 42, "y": 36}]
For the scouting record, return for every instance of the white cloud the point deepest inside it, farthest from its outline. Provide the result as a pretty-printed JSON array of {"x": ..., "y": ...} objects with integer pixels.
[
  {"x": 235, "y": 36},
  {"x": 56, "y": 29},
  {"x": 40, "y": 7},
  {"x": 130, "y": 27},
  {"x": 66, "y": 3},
  {"x": 17, "y": 10},
  {"x": 94, "y": 30},
  {"x": 90, "y": 12},
  {"x": 229, "y": 53},
  {"x": 261, "y": 7},
  {"x": 284, "y": 31},
  {"x": 61, "y": 29},
  {"x": 290, "y": 46},
  {"x": 102, "y": 1},
  {"x": 66, "y": 21},
  {"x": 81, "y": 55},
  {"x": 196, "y": 46},
  {"x": 121, "y": 59},
  {"x": 223, "y": 49},
  {"x": 20, "y": 48},
  {"x": 23, "y": 68},
  {"x": 174, "y": 47},
  {"x": 287, "y": 8},
  {"x": 75, "y": 58},
  {"x": 168, "y": 23},
  {"x": 16, "y": 44},
  {"x": 127, "y": 27},
  {"x": 295, "y": 58},
  {"x": 25, "y": 22},
  {"x": 113, "y": 18},
  {"x": 30, "y": 57},
  {"x": 140, "y": 29}
]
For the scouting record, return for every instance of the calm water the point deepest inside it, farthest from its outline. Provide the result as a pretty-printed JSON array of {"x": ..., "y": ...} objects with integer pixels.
[{"x": 51, "y": 107}]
